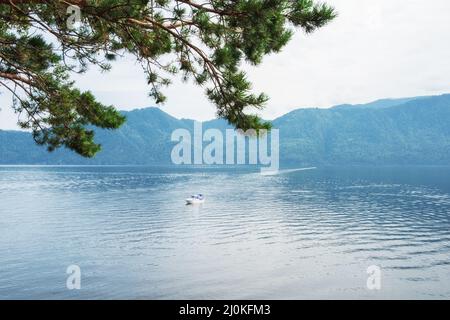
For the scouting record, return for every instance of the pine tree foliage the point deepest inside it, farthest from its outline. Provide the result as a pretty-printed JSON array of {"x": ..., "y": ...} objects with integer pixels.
[{"x": 204, "y": 41}]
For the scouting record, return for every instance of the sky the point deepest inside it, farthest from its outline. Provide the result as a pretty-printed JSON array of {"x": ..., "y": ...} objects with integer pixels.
[{"x": 372, "y": 50}]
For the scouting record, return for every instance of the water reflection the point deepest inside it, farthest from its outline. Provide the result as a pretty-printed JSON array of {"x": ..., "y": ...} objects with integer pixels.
[{"x": 307, "y": 234}]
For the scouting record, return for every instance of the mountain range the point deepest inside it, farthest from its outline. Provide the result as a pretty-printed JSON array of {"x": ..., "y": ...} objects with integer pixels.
[{"x": 413, "y": 131}]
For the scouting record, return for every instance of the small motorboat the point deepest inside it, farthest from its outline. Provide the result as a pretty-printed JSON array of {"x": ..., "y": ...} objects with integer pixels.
[{"x": 195, "y": 199}]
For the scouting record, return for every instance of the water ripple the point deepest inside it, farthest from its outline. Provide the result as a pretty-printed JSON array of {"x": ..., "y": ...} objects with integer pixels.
[{"x": 302, "y": 235}]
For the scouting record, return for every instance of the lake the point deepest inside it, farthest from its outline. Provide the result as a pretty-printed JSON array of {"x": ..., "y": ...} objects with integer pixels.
[{"x": 306, "y": 234}]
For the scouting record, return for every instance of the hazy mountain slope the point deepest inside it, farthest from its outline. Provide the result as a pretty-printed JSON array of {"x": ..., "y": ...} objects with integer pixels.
[
  {"x": 143, "y": 139},
  {"x": 399, "y": 131},
  {"x": 415, "y": 132}
]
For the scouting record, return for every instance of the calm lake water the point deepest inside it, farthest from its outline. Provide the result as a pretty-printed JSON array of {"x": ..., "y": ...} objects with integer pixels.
[{"x": 306, "y": 234}]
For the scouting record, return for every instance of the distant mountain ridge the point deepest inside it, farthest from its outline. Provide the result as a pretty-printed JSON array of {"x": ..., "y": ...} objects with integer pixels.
[
  {"x": 384, "y": 132},
  {"x": 379, "y": 104}
]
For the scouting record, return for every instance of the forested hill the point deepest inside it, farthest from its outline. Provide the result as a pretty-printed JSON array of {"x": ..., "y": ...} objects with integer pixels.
[
  {"x": 414, "y": 131},
  {"x": 384, "y": 132}
]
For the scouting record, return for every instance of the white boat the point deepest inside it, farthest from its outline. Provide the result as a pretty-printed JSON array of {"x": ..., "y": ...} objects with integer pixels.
[{"x": 195, "y": 199}]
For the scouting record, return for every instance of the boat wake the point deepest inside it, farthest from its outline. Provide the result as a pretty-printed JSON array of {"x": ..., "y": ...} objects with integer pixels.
[{"x": 278, "y": 172}]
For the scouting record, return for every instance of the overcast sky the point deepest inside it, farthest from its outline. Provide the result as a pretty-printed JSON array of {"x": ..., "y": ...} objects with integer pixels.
[{"x": 374, "y": 49}]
